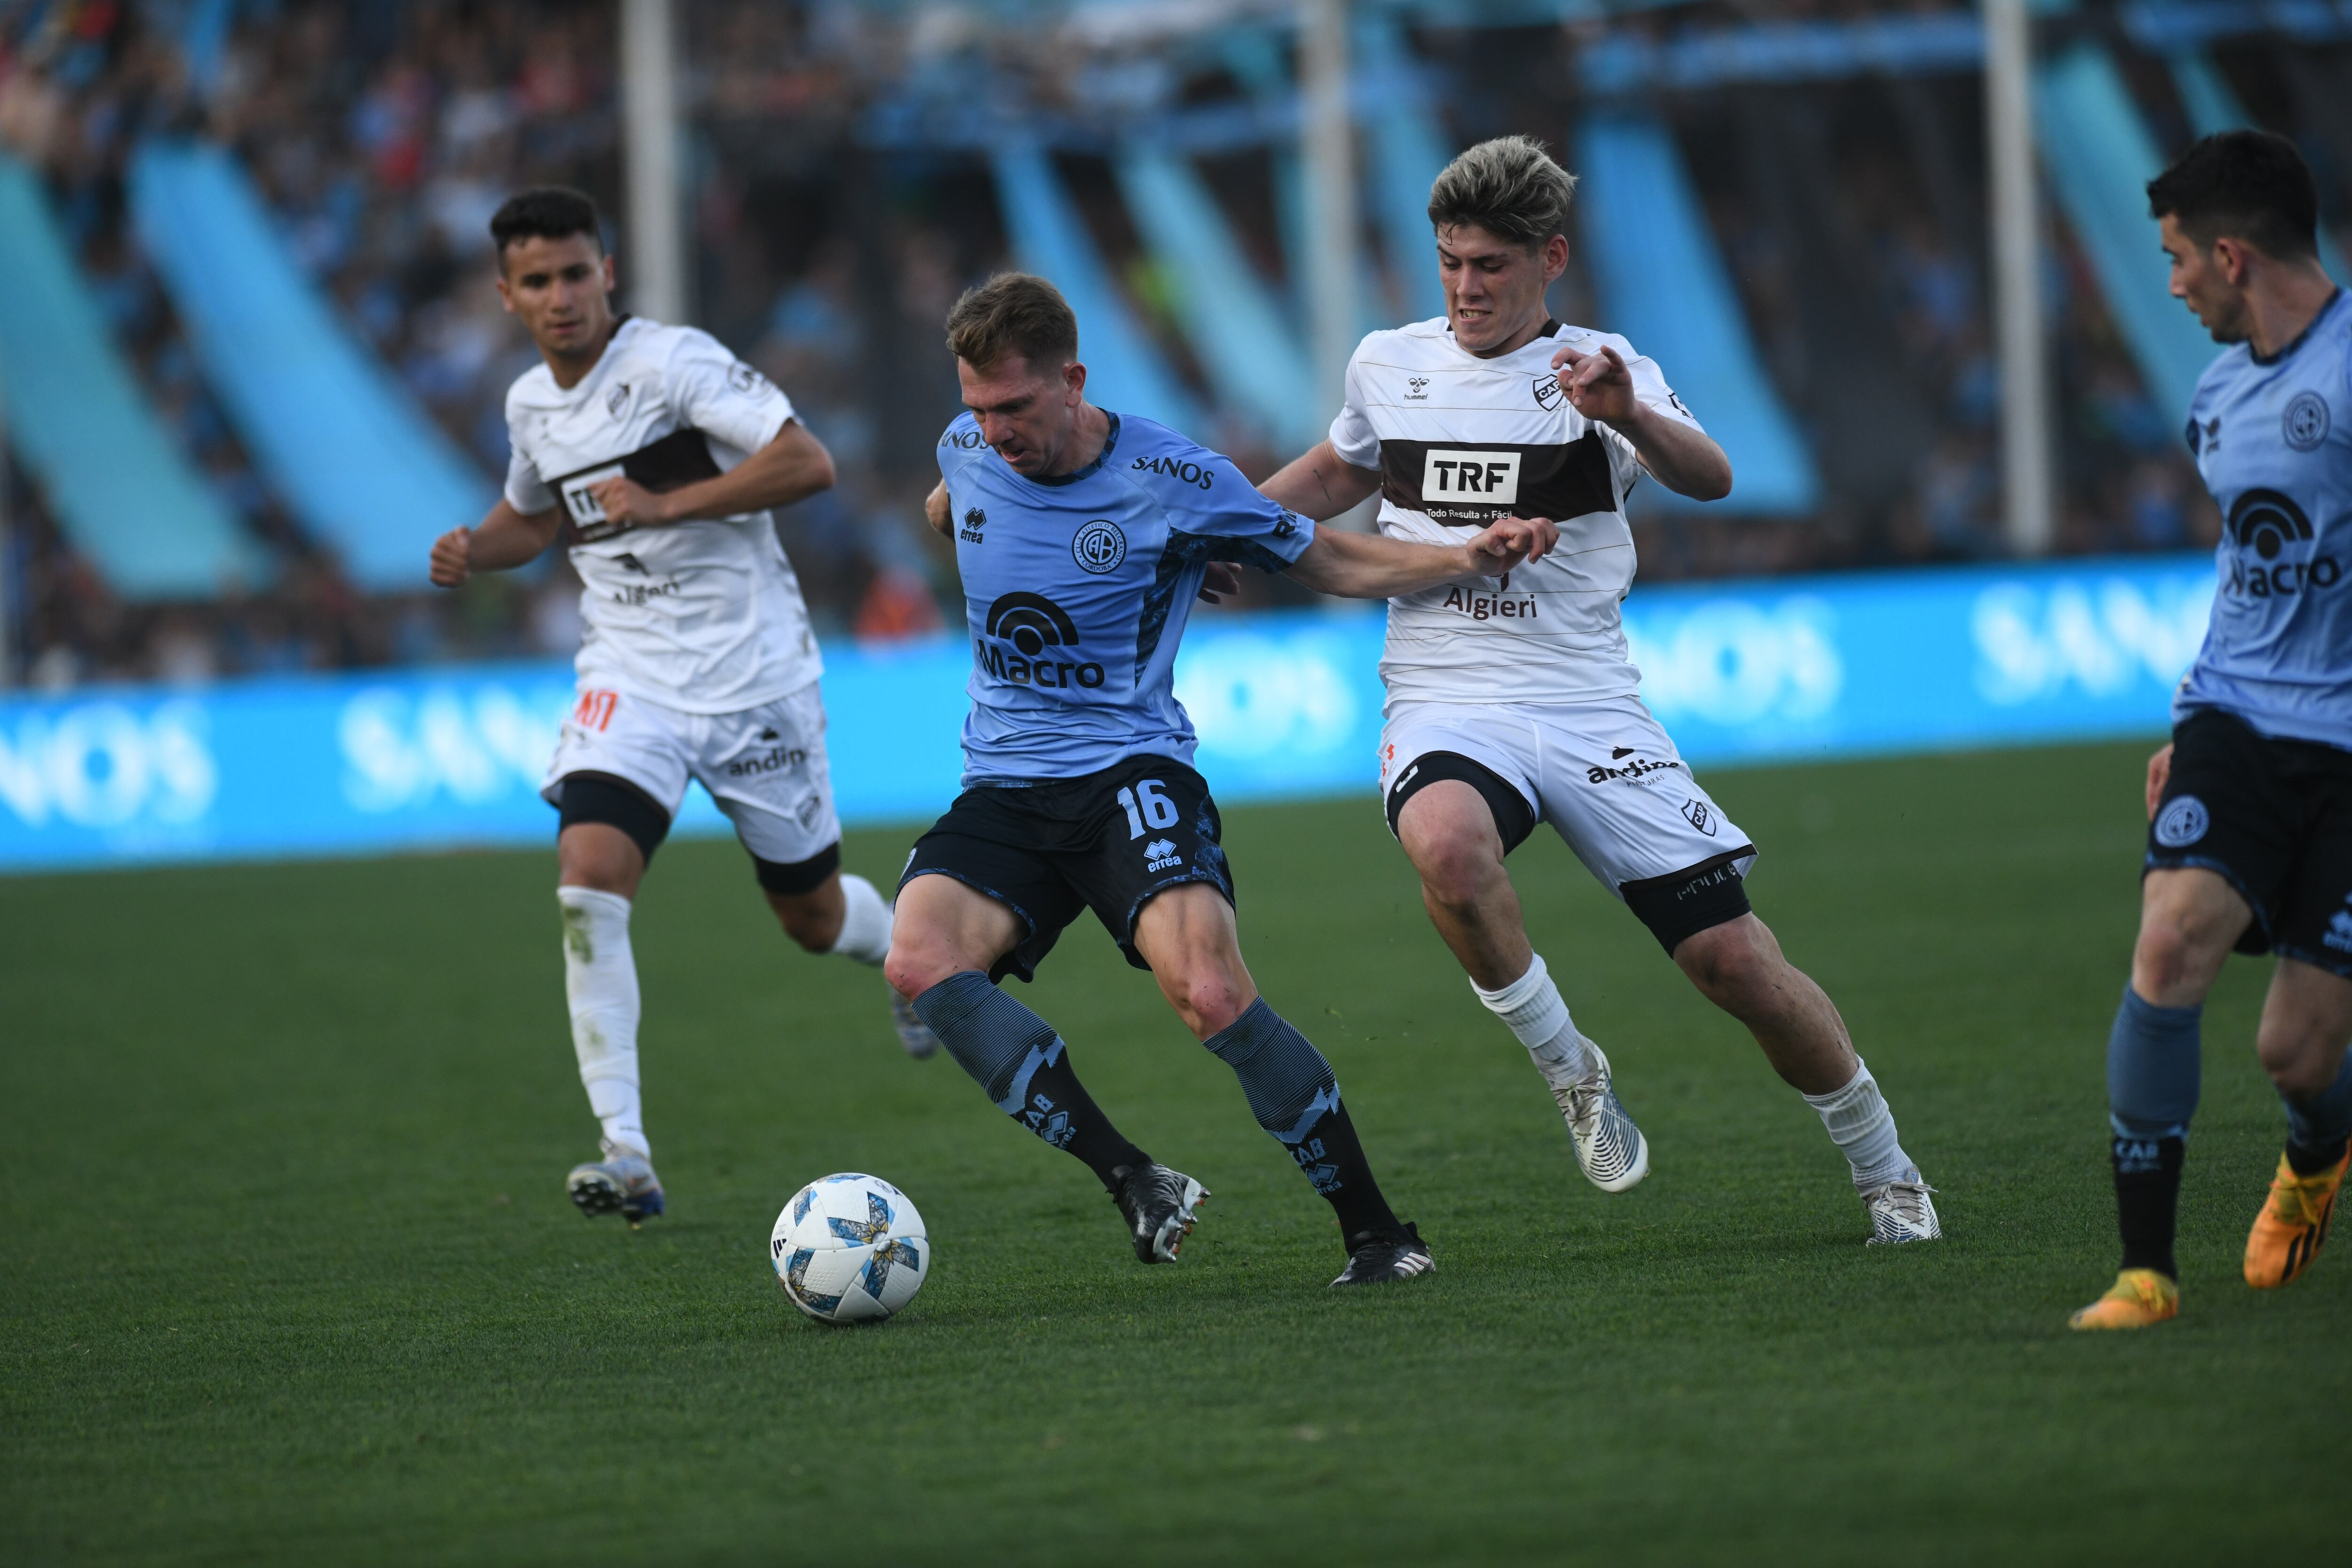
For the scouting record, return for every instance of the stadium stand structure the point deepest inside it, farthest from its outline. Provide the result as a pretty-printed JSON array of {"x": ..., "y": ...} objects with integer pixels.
[
  {"x": 1049, "y": 237},
  {"x": 1408, "y": 152},
  {"x": 112, "y": 475},
  {"x": 2100, "y": 158},
  {"x": 1239, "y": 334},
  {"x": 356, "y": 462},
  {"x": 1663, "y": 284}
]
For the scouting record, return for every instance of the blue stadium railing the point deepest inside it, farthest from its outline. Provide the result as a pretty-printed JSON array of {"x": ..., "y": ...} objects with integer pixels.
[
  {"x": 2100, "y": 157},
  {"x": 1124, "y": 370},
  {"x": 121, "y": 491},
  {"x": 339, "y": 442},
  {"x": 1246, "y": 341},
  {"x": 1663, "y": 284}
]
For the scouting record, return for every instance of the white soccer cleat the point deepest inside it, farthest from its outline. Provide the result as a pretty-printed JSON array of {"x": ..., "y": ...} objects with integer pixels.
[
  {"x": 1902, "y": 1212},
  {"x": 1610, "y": 1149},
  {"x": 913, "y": 1033}
]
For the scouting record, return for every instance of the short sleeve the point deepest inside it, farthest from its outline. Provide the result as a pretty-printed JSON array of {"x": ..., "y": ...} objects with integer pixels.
[
  {"x": 1229, "y": 519},
  {"x": 527, "y": 492},
  {"x": 720, "y": 396},
  {"x": 1352, "y": 432},
  {"x": 1650, "y": 385}
]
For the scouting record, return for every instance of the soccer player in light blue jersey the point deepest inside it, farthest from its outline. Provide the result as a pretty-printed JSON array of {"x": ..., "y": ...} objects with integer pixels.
[
  {"x": 1083, "y": 537},
  {"x": 2250, "y": 808}
]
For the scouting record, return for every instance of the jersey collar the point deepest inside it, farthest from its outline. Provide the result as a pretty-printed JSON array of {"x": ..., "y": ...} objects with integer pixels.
[
  {"x": 1111, "y": 440},
  {"x": 2266, "y": 360},
  {"x": 1550, "y": 329}
]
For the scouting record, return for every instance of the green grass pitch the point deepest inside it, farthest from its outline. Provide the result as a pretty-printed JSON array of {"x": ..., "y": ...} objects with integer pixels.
[{"x": 290, "y": 1276}]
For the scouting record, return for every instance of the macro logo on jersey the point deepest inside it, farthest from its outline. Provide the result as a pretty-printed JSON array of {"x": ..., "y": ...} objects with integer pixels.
[
  {"x": 2272, "y": 529},
  {"x": 2304, "y": 426},
  {"x": 1099, "y": 548},
  {"x": 1033, "y": 623}
]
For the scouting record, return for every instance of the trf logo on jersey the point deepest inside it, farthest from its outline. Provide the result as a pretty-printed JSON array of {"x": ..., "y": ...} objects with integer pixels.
[
  {"x": 1159, "y": 855},
  {"x": 1448, "y": 475},
  {"x": 1033, "y": 622}
]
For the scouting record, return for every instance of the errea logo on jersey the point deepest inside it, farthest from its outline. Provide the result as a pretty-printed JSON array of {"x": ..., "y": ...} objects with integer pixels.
[{"x": 1449, "y": 475}]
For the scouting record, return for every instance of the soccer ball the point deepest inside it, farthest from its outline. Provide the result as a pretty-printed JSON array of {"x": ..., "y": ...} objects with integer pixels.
[{"x": 849, "y": 1248}]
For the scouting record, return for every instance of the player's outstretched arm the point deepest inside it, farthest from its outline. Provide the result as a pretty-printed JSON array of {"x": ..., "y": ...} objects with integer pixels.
[
  {"x": 1684, "y": 459},
  {"x": 504, "y": 539},
  {"x": 791, "y": 468},
  {"x": 1321, "y": 485},
  {"x": 1371, "y": 566}
]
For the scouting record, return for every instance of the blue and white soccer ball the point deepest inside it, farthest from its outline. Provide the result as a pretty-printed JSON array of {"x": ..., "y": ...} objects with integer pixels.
[{"x": 850, "y": 1248}]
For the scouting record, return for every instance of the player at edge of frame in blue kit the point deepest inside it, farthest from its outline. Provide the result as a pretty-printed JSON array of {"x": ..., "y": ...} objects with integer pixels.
[
  {"x": 1083, "y": 537},
  {"x": 2249, "y": 807}
]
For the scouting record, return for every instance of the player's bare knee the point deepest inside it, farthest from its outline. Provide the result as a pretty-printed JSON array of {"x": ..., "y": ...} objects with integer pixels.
[
  {"x": 1457, "y": 867},
  {"x": 1734, "y": 964},
  {"x": 2173, "y": 963}
]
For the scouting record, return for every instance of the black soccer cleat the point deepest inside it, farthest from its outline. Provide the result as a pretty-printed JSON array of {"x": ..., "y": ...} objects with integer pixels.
[
  {"x": 1158, "y": 1205},
  {"x": 1381, "y": 1257}
]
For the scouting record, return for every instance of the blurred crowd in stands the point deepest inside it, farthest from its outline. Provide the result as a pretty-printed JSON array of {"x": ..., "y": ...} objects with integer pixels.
[{"x": 384, "y": 134}]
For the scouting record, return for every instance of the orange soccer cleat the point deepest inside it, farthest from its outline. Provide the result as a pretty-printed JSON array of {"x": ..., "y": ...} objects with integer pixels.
[
  {"x": 2138, "y": 1296},
  {"x": 2293, "y": 1226}
]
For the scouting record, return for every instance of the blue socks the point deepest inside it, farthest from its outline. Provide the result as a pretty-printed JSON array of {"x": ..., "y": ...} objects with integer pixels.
[
  {"x": 2155, "y": 1068},
  {"x": 1020, "y": 1062},
  {"x": 1293, "y": 1095},
  {"x": 2318, "y": 1125}
]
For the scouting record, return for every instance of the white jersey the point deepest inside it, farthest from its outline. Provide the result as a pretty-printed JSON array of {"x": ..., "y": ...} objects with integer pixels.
[
  {"x": 1460, "y": 441},
  {"x": 703, "y": 617}
]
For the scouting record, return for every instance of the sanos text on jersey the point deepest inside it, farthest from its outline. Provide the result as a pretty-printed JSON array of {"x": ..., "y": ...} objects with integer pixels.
[{"x": 1177, "y": 468}]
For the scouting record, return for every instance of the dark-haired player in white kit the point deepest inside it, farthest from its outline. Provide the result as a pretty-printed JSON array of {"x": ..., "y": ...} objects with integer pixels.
[
  {"x": 1516, "y": 702},
  {"x": 663, "y": 454}
]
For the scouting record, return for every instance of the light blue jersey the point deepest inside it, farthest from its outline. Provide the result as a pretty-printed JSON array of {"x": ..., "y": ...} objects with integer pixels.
[
  {"x": 1077, "y": 588},
  {"x": 2273, "y": 442}
]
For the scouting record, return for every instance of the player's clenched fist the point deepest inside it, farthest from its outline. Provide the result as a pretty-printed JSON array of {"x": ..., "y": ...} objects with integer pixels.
[
  {"x": 1508, "y": 544},
  {"x": 453, "y": 558},
  {"x": 1599, "y": 387}
]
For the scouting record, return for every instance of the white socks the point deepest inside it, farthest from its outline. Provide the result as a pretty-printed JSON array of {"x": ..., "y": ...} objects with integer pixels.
[
  {"x": 866, "y": 925},
  {"x": 600, "y": 981},
  {"x": 1862, "y": 1127},
  {"x": 1532, "y": 1008}
]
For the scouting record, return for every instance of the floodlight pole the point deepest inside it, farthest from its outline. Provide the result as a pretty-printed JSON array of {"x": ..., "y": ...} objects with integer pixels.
[
  {"x": 2029, "y": 465},
  {"x": 1327, "y": 138},
  {"x": 653, "y": 270}
]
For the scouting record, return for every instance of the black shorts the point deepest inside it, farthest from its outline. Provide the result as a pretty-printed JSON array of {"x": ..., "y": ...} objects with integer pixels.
[
  {"x": 1050, "y": 851},
  {"x": 2275, "y": 818}
]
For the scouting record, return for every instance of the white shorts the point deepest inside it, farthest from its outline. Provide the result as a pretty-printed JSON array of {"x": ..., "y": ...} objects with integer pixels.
[
  {"x": 765, "y": 766},
  {"x": 1607, "y": 777}
]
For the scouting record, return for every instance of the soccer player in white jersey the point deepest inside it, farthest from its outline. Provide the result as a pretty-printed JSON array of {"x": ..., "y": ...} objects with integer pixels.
[
  {"x": 1514, "y": 702},
  {"x": 661, "y": 454}
]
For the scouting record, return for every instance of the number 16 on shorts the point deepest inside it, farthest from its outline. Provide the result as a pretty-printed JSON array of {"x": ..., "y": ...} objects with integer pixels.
[{"x": 1147, "y": 806}]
